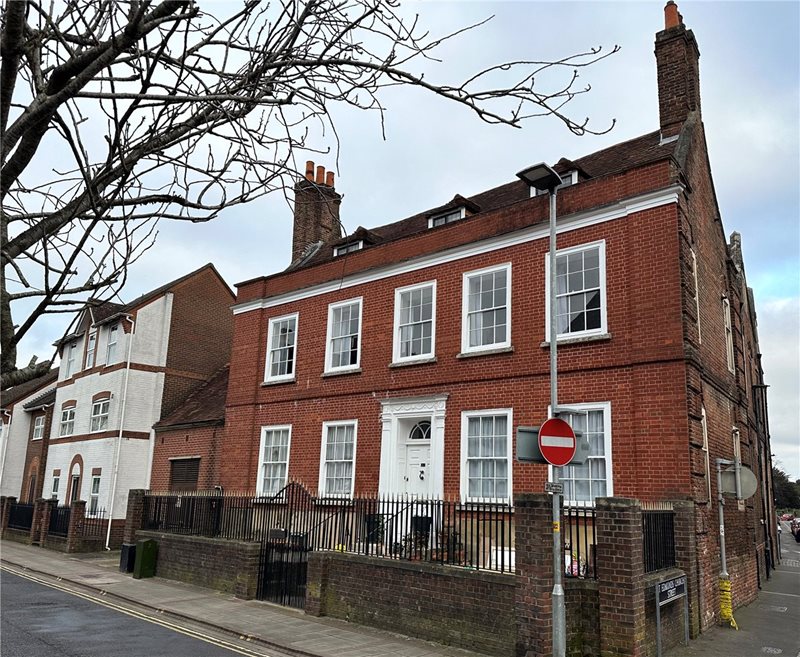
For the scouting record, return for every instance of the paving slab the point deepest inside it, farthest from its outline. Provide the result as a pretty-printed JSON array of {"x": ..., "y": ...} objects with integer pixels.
[{"x": 288, "y": 629}]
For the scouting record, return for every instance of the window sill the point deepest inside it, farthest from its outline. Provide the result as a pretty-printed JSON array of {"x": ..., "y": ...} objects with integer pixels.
[
  {"x": 409, "y": 363},
  {"x": 355, "y": 370},
  {"x": 581, "y": 339},
  {"x": 277, "y": 382},
  {"x": 486, "y": 352}
]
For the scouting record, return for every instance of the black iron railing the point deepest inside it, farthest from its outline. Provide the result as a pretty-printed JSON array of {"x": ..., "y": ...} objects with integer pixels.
[
  {"x": 578, "y": 533},
  {"x": 21, "y": 516},
  {"x": 474, "y": 535},
  {"x": 95, "y": 525},
  {"x": 658, "y": 528},
  {"x": 59, "y": 521}
]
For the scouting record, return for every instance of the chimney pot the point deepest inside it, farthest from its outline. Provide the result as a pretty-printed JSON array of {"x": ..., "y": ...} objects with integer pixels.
[
  {"x": 329, "y": 179},
  {"x": 310, "y": 170},
  {"x": 320, "y": 175},
  {"x": 671, "y": 16}
]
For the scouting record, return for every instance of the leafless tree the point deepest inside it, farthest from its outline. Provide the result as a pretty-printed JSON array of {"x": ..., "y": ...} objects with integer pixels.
[{"x": 116, "y": 115}]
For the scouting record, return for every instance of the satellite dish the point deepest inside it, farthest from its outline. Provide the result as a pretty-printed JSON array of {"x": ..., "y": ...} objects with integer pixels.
[{"x": 748, "y": 479}]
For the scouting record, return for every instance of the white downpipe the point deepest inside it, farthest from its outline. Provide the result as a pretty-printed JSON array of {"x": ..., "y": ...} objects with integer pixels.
[
  {"x": 6, "y": 434},
  {"x": 118, "y": 449}
]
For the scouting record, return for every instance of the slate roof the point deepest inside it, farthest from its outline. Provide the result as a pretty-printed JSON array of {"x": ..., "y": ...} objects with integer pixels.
[
  {"x": 615, "y": 159},
  {"x": 206, "y": 405},
  {"x": 13, "y": 395},
  {"x": 45, "y": 399}
]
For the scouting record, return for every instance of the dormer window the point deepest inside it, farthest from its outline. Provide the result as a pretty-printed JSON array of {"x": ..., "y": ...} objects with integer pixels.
[
  {"x": 567, "y": 179},
  {"x": 348, "y": 248},
  {"x": 447, "y": 217}
]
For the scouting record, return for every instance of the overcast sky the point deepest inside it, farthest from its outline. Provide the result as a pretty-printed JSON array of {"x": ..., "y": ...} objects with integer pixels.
[{"x": 749, "y": 75}]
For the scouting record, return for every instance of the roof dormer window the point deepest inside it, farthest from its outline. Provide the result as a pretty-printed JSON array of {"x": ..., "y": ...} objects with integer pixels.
[
  {"x": 348, "y": 248},
  {"x": 447, "y": 217},
  {"x": 567, "y": 179}
]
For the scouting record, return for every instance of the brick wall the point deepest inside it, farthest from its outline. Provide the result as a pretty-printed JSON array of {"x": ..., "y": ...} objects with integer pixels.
[
  {"x": 453, "y": 606},
  {"x": 204, "y": 442},
  {"x": 227, "y": 566},
  {"x": 199, "y": 337}
]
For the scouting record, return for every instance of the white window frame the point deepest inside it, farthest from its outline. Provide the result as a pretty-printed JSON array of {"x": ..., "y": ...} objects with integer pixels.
[
  {"x": 726, "y": 311},
  {"x": 72, "y": 349},
  {"x": 323, "y": 461},
  {"x": 111, "y": 346},
  {"x": 567, "y": 179},
  {"x": 55, "y": 487},
  {"x": 262, "y": 455},
  {"x": 608, "y": 456},
  {"x": 94, "y": 498},
  {"x": 329, "y": 336},
  {"x": 270, "y": 335},
  {"x": 465, "y": 348},
  {"x": 396, "y": 341},
  {"x": 696, "y": 296},
  {"x": 98, "y": 415},
  {"x": 69, "y": 421},
  {"x": 603, "y": 329},
  {"x": 462, "y": 213},
  {"x": 707, "y": 454},
  {"x": 91, "y": 350},
  {"x": 465, "y": 417},
  {"x": 38, "y": 427},
  {"x": 350, "y": 247}
]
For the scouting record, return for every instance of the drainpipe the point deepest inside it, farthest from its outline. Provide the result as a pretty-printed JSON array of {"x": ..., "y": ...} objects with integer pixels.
[
  {"x": 115, "y": 471},
  {"x": 6, "y": 432}
]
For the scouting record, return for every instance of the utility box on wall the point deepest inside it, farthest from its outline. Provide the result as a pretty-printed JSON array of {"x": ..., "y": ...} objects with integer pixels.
[{"x": 145, "y": 562}]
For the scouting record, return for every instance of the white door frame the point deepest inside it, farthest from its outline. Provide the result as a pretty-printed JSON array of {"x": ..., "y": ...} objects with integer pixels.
[{"x": 393, "y": 446}]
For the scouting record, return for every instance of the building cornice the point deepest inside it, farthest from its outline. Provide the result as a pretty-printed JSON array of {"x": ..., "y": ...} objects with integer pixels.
[{"x": 568, "y": 223}]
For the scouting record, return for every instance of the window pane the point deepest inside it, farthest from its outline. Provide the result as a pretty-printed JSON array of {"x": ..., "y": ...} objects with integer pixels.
[{"x": 487, "y": 457}]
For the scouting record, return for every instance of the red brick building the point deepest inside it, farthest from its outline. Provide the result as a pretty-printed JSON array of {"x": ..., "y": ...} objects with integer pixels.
[
  {"x": 188, "y": 442},
  {"x": 400, "y": 359}
]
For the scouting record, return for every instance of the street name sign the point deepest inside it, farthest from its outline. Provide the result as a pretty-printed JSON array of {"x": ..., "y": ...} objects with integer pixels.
[{"x": 557, "y": 442}]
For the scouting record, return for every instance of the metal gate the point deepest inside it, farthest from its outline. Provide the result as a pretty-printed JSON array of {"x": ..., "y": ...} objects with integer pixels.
[
  {"x": 293, "y": 523},
  {"x": 284, "y": 570}
]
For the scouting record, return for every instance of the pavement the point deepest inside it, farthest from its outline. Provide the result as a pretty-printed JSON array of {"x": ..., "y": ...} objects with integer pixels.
[
  {"x": 768, "y": 626},
  {"x": 285, "y": 631}
]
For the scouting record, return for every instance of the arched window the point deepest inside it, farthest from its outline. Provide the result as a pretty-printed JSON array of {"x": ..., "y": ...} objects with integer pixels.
[
  {"x": 421, "y": 431},
  {"x": 75, "y": 482}
]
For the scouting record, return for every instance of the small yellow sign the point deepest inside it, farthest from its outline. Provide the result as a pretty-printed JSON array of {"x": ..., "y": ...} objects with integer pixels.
[{"x": 556, "y": 527}]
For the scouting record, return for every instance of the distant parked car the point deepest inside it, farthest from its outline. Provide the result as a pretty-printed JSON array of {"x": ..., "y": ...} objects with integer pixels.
[
  {"x": 787, "y": 517},
  {"x": 795, "y": 527}
]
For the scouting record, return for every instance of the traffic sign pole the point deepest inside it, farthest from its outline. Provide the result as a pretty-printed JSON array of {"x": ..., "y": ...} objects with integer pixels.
[{"x": 559, "y": 610}]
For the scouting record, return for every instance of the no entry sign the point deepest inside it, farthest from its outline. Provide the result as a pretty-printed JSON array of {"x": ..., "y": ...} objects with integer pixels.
[{"x": 557, "y": 442}]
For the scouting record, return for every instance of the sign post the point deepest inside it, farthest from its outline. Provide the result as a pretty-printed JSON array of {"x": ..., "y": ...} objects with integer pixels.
[{"x": 666, "y": 592}]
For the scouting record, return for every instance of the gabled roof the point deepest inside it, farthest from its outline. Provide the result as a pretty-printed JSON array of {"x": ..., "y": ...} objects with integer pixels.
[
  {"x": 204, "y": 406},
  {"x": 154, "y": 294},
  {"x": 13, "y": 395},
  {"x": 103, "y": 312},
  {"x": 631, "y": 154},
  {"x": 45, "y": 399}
]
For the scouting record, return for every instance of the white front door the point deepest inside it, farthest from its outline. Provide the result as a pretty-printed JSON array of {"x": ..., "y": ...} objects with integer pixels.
[{"x": 418, "y": 474}]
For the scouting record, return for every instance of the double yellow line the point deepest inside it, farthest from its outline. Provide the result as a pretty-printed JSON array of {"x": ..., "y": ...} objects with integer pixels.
[{"x": 136, "y": 614}]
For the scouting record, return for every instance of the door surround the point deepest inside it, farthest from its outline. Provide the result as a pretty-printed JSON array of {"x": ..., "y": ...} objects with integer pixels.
[{"x": 395, "y": 416}]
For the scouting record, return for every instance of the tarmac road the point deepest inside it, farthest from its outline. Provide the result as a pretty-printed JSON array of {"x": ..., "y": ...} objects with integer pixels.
[{"x": 41, "y": 621}]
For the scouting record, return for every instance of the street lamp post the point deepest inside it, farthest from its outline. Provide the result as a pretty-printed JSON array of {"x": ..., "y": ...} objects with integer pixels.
[{"x": 544, "y": 178}]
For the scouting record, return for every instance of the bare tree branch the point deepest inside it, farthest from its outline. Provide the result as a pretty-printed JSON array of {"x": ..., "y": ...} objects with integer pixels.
[{"x": 117, "y": 115}]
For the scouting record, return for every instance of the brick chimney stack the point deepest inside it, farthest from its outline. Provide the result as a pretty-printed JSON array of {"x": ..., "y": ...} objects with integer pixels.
[
  {"x": 316, "y": 210},
  {"x": 678, "y": 64}
]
